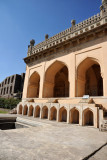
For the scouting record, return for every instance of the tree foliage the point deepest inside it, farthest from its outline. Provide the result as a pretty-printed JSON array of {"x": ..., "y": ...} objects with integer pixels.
[{"x": 8, "y": 103}]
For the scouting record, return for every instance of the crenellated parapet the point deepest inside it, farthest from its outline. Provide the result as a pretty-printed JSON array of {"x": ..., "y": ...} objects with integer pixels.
[{"x": 76, "y": 30}]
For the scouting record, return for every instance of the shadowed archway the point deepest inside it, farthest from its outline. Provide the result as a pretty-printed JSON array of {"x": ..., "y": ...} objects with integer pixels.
[
  {"x": 33, "y": 86},
  {"x": 88, "y": 117},
  {"x": 56, "y": 82},
  {"x": 62, "y": 115},
  {"x": 37, "y": 111},
  {"x": 25, "y": 111},
  {"x": 74, "y": 116},
  {"x": 20, "y": 109},
  {"x": 30, "y": 111},
  {"x": 89, "y": 80},
  {"x": 45, "y": 112},
  {"x": 53, "y": 113}
]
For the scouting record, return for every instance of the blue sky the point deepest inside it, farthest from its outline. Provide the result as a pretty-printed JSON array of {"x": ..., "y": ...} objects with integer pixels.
[{"x": 23, "y": 20}]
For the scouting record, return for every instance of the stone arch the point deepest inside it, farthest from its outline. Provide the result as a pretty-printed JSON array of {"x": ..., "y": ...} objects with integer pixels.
[
  {"x": 53, "y": 113},
  {"x": 88, "y": 117},
  {"x": 74, "y": 116},
  {"x": 20, "y": 109},
  {"x": 33, "y": 86},
  {"x": 62, "y": 114},
  {"x": 30, "y": 111},
  {"x": 56, "y": 83},
  {"x": 92, "y": 58},
  {"x": 45, "y": 112},
  {"x": 25, "y": 110},
  {"x": 89, "y": 80},
  {"x": 37, "y": 111}
]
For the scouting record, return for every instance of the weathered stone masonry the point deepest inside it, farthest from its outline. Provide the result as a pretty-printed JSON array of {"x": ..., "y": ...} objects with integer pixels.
[
  {"x": 12, "y": 85},
  {"x": 64, "y": 68}
]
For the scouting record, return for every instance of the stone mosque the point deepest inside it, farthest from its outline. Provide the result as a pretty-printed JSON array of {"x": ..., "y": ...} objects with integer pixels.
[{"x": 66, "y": 75}]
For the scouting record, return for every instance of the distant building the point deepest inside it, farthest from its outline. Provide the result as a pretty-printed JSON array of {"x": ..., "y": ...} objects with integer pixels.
[{"x": 12, "y": 86}]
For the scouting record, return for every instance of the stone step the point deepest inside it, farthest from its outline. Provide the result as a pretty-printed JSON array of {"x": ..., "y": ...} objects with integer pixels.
[
  {"x": 104, "y": 129},
  {"x": 31, "y": 122},
  {"x": 105, "y": 125}
]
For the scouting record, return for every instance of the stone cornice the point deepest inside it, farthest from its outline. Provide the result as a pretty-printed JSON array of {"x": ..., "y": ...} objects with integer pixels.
[{"x": 75, "y": 33}]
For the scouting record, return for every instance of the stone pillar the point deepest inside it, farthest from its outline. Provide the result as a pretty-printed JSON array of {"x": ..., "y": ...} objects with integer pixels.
[
  {"x": 100, "y": 117},
  {"x": 28, "y": 112},
  {"x": 18, "y": 109},
  {"x": 104, "y": 68},
  {"x": 57, "y": 114},
  {"x": 26, "y": 82},
  {"x": 40, "y": 113},
  {"x": 72, "y": 73},
  {"x": 68, "y": 112},
  {"x": 95, "y": 118},
  {"x": 48, "y": 113},
  {"x": 80, "y": 116},
  {"x": 34, "y": 112},
  {"x": 23, "y": 110},
  {"x": 41, "y": 87}
]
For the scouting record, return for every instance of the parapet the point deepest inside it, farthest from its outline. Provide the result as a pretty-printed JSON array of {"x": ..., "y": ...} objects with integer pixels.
[{"x": 74, "y": 31}]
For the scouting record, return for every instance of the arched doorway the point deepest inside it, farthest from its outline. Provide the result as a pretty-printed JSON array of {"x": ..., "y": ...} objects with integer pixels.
[
  {"x": 56, "y": 82},
  {"x": 45, "y": 112},
  {"x": 37, "y": 111},
  {"x": 25, "y": 110},
  {"x": 62, "y": 115},
  {"x": 20, "y": 109},
  {"x": 33, "y": 86},
  {"x": 74, "y": 116},
  {"x": 53, "y": 113},
  {"x": 88, "y": 118},
  {"x": 30, "y": 111},
  {"x": 89, "y": 80}
]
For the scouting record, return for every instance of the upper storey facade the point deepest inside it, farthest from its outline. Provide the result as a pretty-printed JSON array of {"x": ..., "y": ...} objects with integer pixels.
[{"x": 71, "y": 35}]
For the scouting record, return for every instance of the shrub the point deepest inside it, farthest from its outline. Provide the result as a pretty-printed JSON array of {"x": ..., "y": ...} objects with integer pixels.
[{"x": 8, "y": 103}]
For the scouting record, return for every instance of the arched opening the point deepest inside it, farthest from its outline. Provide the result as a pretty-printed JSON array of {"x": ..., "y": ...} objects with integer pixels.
[
  {"x": 20, "y": 109},
  {"x": 88, "y": 118},
  {"x": 33, "y": 86},
  {"x": 53, "y": 113},
  {"x": 45, "y": 112},
  {"x": 62, "y": 115},
  {"x": 56, "y": 82},
  {"x": 4, "y": 90},
  {"x": 37, "y": 111},
  {"x": 8, "y": 80},
  {"x": 105, "y": 114},
  {"x": 25, "y": 110},
  {"x": 89, "y": 80},
  {"x": 74, "y": 116},
  {"x": 12, "y": 78},
  {"x": 30, "y": 111},
  {"x": 11, "y": 90},
  {"x": 7, "y": 90}
]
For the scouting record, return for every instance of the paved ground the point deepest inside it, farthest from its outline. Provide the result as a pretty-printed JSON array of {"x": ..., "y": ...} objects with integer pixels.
[
  {"x": 55, "y": 141},
  {"x": 100, "y": 155}
]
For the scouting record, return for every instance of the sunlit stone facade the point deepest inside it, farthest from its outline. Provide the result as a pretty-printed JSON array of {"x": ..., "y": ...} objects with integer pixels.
[{"x": 64, "y": 68}]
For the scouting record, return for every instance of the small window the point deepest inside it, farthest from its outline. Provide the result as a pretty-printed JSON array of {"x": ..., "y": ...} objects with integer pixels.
[{"x": 12, "y": 79}]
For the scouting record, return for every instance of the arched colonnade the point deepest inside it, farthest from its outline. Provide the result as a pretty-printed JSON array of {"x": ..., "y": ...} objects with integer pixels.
[
  {"x": 56, "y": 83},
  {"x": 73, "y": 115}
]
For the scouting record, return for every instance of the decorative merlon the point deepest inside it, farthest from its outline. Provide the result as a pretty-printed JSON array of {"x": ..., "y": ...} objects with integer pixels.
[{"x": 74, "y": 31}]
